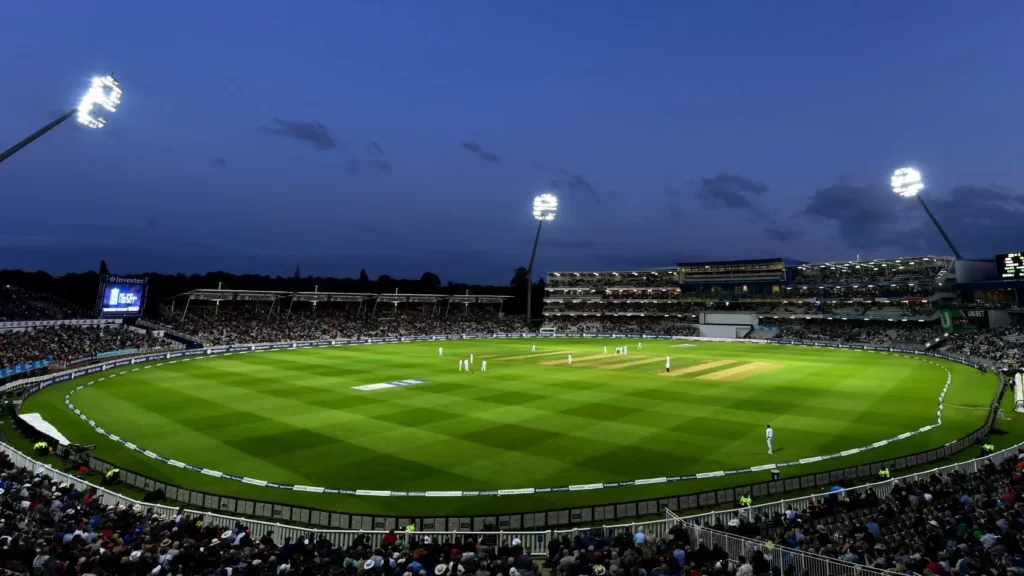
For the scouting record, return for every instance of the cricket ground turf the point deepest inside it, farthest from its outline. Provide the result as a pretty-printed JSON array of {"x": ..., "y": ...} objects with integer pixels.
[{"x": 312, "y": 417}]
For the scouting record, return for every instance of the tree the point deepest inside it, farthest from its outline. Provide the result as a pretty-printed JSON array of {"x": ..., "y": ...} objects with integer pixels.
[
  {"x": 430, "y": 282},
  {"x": 519, "y": 279},
  {"x": 363, "y": 276},
  {"x": 104, "y": 271},
  {"x": 298, "y": 272}
]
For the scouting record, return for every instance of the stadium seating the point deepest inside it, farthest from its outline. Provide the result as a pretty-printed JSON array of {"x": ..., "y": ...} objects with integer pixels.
[{"x": 62, "y": 344}]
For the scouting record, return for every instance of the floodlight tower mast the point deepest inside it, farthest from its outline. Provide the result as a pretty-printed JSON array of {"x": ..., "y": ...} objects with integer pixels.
[
  {"x": 907, "y": 182},
  {"x": 103, "y": 91},
  {"x": 545, "y": 207}
]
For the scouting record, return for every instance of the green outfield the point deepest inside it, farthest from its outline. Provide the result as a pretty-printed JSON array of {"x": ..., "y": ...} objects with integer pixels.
[{"x": 530, "y": 420}]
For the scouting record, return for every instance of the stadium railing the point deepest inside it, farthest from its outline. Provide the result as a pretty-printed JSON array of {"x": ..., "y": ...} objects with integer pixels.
[
  {"x": 531, "y": 523},
  {"x": 535, "y": 541}
]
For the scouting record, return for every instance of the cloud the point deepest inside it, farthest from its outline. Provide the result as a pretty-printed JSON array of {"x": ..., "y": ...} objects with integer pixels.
[
  {"x": 479, "y": 151},
  {"x": 220, "y": 161},
  {"x": 782, "y": 233},
  {"x": 729, "y": 191},
  {"x": 981, "y": 220},
  {"x": 866, "y": 216},
  {"x": 314, "y": 133}
]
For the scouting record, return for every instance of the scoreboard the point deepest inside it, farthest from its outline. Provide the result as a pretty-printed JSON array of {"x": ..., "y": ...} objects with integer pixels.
[
  {"x": 121, "y": 297},
  {"x": 1010, "y": 265}
]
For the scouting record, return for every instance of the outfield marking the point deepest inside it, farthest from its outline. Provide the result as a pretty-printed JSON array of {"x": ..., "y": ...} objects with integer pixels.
[
  {"x": 524, "y": 356},
  {"x": 580, "y": 359},
  {"x": 646, "y": 360},
  {"x": 383, "y": 385},
  {"x": 698, "y": 368},
  {"x": 741, "y": 372}
]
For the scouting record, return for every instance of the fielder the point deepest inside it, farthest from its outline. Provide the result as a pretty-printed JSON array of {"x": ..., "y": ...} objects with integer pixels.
[
  {"x": 605, "y": 349},
  {"x": 769, "y": 434},
  {"x": 460, "y": 364},
  {"x": 570, "y": 359},
  {"x": 533, "y": 348},
  {"x": 639, "y": 345},
  {"x": 668, "y": 364},
  {"x": 440, "y": 351},
  {"x": 483, "y": 366},
  {"x": 470, "y": 358}
]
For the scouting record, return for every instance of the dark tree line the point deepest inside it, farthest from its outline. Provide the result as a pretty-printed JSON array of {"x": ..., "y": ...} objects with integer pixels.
[{"x": 81, "y": 289}]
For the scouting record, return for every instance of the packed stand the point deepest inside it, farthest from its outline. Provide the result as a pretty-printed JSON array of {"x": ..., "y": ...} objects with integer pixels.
[
  {"x": 1004, "y": 346},
  {"x": 620, "y": 324},
  {"x": 237, "y": 325},
  {"x": 65, "y": 530},
  {"x": 954, "y": 523},
  {"x": 918, "y": 270},
  {"x": 66, "y": 343},
  {"x": 18, "y": 305}
]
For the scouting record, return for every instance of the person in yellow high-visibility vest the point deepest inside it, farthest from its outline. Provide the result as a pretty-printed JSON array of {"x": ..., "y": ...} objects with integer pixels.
[
  {"x": 987, "y": 448},
  {"x": 111, "y": 476},
  {"x": 883, "y": 474}
]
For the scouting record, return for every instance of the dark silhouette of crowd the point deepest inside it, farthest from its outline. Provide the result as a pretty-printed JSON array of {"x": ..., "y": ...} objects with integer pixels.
[
  {"x": 1003, "y": 345},
  {"x": 52, "y": 529},
  {"x": 946, "y": 523},
  {"x": 620, "y": 324},
  {"x": 17, "y": 305},
  {"x": 68, "y": 342},
  {"x": 238, "y": 325}
]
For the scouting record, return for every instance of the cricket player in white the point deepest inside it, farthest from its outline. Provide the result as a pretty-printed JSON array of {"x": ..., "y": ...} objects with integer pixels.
[
  {"x": 440, "y": 351},
  {"x": 471, "y": 358},
  {"x": 483, "y": 366},
  {"x": 570, "y": 359},
  {"x": 639, "y": 345},
  {"x": 668, "y": 363},
  {"x": 533, "y": 348},
  {"x": 460, "y": 364},
  {"x": 605, "y": 349},
  {"x": 769, "y": 434}
]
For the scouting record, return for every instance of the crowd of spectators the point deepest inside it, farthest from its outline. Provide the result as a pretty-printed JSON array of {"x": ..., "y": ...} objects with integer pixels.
[
  {"x": 879, "y": 272},
  {"x": 234, "y": 325},
  {"x": 956, "y": 523},
  {"x": 619, "y": 324},
  {"x": 846, "y": 333},
  {"x": 17, "y": 304},
  {"x": 611, "y": 280},
  {"x": 65, "y": 530},
  {"x": 1004, "y": 345},
  {"x": 66, "y": 343}
]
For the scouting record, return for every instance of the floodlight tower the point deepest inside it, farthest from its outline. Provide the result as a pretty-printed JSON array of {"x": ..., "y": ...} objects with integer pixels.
[
  {"x": 545, "y": 207},
  {"x": 907, "y": 182},
  {"x": 104, "y": 92}
]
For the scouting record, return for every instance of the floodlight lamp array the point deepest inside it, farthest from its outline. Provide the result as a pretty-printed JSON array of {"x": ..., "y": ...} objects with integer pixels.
[
  {"x": 545, "y": 207},
  {"x": 907, "y": 182},
  {"x": 103, "y": 92}
]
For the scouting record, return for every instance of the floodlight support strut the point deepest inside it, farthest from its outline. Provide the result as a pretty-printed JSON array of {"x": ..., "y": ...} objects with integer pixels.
[
  {"x": 36, "y": 135},
  {"x": 939, "y": 226},
  {"x": 529, "y": 276}
]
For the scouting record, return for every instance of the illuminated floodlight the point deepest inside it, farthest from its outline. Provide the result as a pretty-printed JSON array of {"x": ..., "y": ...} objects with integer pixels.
[
  {"x": 545, "y": 207},
  {"x": 907, "y": 182},
  {"x": 103, "y": 92}
]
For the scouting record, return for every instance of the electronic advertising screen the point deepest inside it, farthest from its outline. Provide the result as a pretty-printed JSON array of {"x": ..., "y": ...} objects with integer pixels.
[
  {"x": 1010, "y": 266},
  {"x": 121, "y": 297}
]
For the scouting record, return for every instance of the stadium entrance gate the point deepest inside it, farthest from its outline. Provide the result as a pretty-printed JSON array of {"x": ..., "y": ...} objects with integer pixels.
[{"x": 727, "y": 324}]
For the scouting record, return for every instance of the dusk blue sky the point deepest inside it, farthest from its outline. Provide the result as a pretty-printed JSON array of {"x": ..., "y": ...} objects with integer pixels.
[{"x": 402, "y": 137}]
